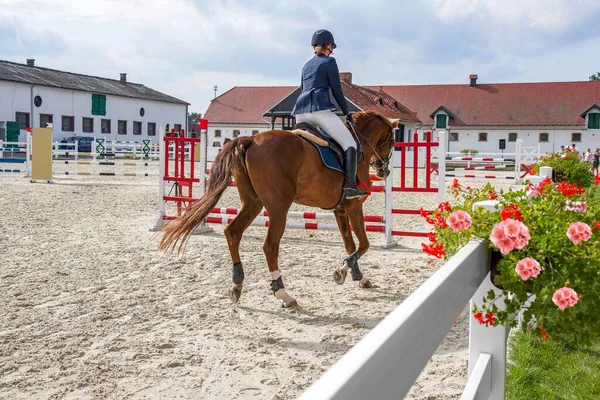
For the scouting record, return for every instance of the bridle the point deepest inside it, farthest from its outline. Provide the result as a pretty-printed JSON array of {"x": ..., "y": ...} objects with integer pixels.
[{"x": 383, "y": 162}]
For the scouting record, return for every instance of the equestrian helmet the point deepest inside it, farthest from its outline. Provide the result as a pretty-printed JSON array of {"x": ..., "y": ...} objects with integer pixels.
[{"x": 322, "y": 37}]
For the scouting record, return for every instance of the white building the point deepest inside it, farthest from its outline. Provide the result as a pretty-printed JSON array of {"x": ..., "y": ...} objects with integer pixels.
[
  {"x": 476, "y": 115},
  {"x": 82, "y": 105}
]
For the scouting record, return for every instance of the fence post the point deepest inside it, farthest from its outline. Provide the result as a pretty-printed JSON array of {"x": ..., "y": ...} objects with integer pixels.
[
  {"x": 486, "y": 339},
  {"x": 518, "y": 145},
  {"x": 203, "y": 227},
  {"x": 159, "y": 222},
  {"x": 442, "y": 138},
  {"x": 388, "y": 240},
  {"x": 28, "y": 155}
]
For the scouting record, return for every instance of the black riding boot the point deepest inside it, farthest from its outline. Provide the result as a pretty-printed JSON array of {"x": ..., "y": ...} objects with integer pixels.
[{"x": 350, "y": 190}]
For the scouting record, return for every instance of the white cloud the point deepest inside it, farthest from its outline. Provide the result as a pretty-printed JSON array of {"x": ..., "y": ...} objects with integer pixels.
[{"x": 185, "y": 47}]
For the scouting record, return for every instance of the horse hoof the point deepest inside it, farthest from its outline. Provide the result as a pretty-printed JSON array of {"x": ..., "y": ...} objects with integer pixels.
[
  {"x": 339, "y": 276},
  {"x": 365, "y": 284},
  {"x": 234, "y": 294},
  {"x": 293, "y": 303}
]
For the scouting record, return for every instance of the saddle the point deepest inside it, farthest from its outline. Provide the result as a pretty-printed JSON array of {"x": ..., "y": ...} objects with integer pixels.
[{"x": 331, "y": 152}]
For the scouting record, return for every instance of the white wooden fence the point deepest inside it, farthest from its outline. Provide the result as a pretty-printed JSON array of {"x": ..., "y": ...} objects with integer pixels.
[{"x": 388, "y": 360}]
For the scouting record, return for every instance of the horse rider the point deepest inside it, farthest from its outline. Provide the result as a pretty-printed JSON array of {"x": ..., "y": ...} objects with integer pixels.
[{"x": 319, "y": 75}]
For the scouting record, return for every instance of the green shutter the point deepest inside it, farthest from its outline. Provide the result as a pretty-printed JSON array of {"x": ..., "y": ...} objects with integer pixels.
[
  {"x": 94, "y": 104},
  {"x": 101, "y": 104},
  {"x": 594, "y": 121},
  {"x": 441, "y": 121}
]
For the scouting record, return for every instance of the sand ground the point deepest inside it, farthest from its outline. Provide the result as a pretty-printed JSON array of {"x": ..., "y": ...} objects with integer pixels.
[{"x": 91, "y": 310}]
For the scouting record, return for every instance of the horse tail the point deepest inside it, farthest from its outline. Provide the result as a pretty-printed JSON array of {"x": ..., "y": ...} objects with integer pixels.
[{"x": 221, "y": 171}]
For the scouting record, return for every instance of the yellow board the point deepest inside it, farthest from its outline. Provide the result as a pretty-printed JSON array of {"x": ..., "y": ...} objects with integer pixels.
[
  {"x": 197, "y": 152},
  {"x": 41, "y": 155}
]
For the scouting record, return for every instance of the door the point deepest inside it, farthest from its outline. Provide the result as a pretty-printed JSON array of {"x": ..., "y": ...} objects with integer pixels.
[{"x": 12, "y": 132}]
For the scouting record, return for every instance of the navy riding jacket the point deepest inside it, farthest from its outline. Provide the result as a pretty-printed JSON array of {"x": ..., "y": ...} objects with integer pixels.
[{"x": 319, "y": 75}]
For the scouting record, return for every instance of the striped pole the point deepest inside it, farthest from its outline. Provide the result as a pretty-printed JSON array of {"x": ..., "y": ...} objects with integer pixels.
[
  {"x": 479, "y": 176},
  {"x": 12, "y": 170},
  {"x": 126, "y": 164},
  {"x": 87, "y": 173},
  {"x": 295, "y": 214},
  {"x": 482, "y": 167}
]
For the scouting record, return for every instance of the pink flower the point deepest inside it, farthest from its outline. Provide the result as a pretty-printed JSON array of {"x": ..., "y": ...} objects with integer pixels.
[
  {"x": 579, "y": 232},
  {"x": 510, "y": 234},
  {"x": 565, "y": 297},
  {"x": 528, "y": 268},
  {"x": 576, "y": 206},
  {"x": 459, "y": 220}
]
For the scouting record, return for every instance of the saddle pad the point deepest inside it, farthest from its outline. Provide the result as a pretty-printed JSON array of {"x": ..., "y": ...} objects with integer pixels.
[{"x": 328, "y": 157}]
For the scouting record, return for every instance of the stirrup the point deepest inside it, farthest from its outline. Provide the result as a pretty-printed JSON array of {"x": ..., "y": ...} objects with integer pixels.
[{"x": 353, "y": 193}]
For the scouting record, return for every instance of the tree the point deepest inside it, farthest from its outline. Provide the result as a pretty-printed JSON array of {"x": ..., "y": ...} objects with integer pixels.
[
  {"x": 193, "y": 118},
  {"x": 595, "y": 77}
]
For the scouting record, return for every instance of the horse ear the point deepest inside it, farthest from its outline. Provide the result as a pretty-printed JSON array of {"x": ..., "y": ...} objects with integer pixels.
[{"x": 395, "y": 123}]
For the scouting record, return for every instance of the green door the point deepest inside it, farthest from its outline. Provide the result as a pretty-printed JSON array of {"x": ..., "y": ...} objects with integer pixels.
[{"x": 12, "y": 132}]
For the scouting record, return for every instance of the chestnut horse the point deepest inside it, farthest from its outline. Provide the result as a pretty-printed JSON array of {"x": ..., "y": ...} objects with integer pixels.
[{"x": 274, "y": 169}]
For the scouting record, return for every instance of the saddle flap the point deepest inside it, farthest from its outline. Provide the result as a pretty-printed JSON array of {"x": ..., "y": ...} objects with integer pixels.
[{"x": 333, "y": 145}]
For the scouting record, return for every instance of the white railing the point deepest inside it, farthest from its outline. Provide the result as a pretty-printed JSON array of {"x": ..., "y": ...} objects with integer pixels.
[{"x": 388, "y": 360}]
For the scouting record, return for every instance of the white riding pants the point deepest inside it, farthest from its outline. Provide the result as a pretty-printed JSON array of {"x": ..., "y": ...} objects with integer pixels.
[{"x": 330, "y": 123}]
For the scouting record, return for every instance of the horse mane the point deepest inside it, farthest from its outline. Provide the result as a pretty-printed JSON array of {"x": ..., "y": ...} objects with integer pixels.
[{"x": 364, "y": 118}]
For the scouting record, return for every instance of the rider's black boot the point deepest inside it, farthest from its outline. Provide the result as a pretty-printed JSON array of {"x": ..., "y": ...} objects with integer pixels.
[{"x": 350, "y": 190}]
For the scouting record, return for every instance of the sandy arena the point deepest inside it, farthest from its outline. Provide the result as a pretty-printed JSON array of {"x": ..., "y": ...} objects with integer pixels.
[{"x": 91, "y": 310}]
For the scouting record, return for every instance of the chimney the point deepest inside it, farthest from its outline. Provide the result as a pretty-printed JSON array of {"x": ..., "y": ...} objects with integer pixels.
[
  {"x": 346, "y": 77},
  {"x": 123, "y": 79},
  {"x": 473, "y": 78},
  {"x": 31, "y": 62}
]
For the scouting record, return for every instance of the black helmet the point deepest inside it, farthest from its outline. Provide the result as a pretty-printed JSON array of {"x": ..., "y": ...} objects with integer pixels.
[{"x": 322, "y": 37}]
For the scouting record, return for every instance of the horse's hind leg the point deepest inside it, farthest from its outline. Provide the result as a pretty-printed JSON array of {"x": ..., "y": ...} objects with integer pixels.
[
  {"x": 251, "y": 207},
  {"x": 277, "y": 222}
]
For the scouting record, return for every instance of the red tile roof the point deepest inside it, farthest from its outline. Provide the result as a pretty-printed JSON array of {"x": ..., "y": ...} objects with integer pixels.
[
  {"x": 380, "y": 102},
  {"x": 245, "y": 104},
  {"x": 517, "y": 104}
]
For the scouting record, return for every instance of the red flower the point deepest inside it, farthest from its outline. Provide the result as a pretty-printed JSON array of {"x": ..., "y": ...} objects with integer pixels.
[
  {"x": 478, "y": 317},
  {"x": 511, "y": 211},
  {"x": 569, "y": 189},
  {"x": 434, "y": 249},
  {"x": 455, "y": 183},
  {"x": 597, "y": 179},
  {"x": 544, "y": 333},
  {"x": 492, "y": 194},
  {"x": 432, "y": 237},
  {"x": 596, "y": 226},
  {"x": 425, "y": 215},
  {"x": 488, "y": 320},
  {"x": 546, "y": 182},
  {"x": 445, "y": 206}
]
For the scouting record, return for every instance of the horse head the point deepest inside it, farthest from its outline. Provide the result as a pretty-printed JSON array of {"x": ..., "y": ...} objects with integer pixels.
[{"x": 377, "y": 138}]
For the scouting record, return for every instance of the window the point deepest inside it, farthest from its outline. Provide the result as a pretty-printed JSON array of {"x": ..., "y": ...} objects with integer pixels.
[
  {"x": 98, "y": 104},
  {"x": 137, "y": 128},
  {"x": 216, "y": 144},
  {"x": 23, "y": 120},
  {"x": 177, "y": 128},
  {"x": 87, "y": 125},
  {"x": 441, "y": 121},
  {"x": 217, "y": 133},
  {"x": 544, "y": 137},
  {"x": 453, "y": 137},
  {"x": 45, "y": 119},
  {"x": 594, "y": 121},
  {"x": 236, "y": 133},
  {"x": 68, "y": 123},
  {"x": 105, "y": 126},
  {"x": 254, "y": 132},
  {"x": 151, "y": 128},
  {"x": 483, "y": 136},
  {"x": 122, "y": 128},
  {"x": 512, "y": 137},
  {"x": 575, "y": 137}
]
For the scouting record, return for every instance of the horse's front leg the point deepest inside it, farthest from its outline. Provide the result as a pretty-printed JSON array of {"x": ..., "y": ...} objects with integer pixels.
[
  {"x": 339, "y": 275},
  {"x": 357, "y": 220}
]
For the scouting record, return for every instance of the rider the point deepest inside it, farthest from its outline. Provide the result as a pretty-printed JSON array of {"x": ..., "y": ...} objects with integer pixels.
[{"x": 319, "y": 75}]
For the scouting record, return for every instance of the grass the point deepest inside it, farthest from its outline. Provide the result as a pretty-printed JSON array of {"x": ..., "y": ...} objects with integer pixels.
[{"x": 550, "y": 370}]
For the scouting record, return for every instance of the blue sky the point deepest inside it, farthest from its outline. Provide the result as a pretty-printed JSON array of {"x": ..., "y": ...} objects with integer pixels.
[{"x": 185, "y": 47}]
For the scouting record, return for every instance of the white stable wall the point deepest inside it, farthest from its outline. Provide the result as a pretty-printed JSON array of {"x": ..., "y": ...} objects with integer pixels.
[{"x": 16, "y": 97}]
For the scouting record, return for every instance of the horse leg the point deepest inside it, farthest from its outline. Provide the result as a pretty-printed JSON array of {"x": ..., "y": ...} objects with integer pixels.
[
  {"x": 277, "y": 221},
  {"x": 233, "y": 232},
  {"x": 339, "y": 275},
  {"x": 357, "y": 220}
]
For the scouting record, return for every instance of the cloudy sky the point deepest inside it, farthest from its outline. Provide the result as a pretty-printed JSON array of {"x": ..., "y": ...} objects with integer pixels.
[{"x": 185, "y": 47}]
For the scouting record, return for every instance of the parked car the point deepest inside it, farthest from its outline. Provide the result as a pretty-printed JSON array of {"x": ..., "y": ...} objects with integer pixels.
[{"x": 84, "y": 144}]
